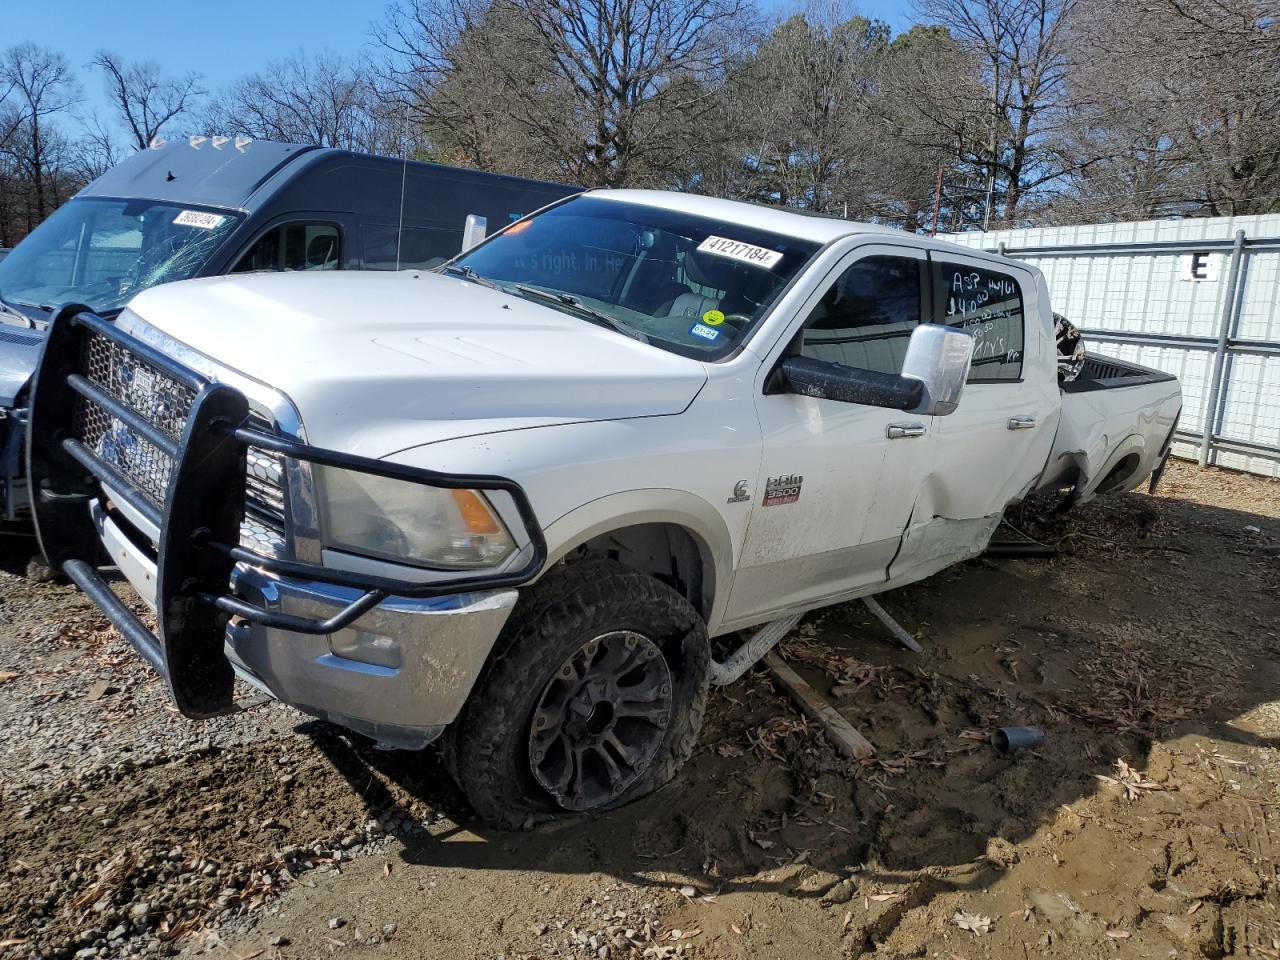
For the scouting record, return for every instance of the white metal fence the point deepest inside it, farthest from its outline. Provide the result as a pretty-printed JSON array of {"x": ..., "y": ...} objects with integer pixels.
[{"x": 1197, "y": 298}]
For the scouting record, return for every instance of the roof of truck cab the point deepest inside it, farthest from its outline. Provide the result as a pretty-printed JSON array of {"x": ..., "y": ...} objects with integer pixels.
[{"x": 792, "y": 223}]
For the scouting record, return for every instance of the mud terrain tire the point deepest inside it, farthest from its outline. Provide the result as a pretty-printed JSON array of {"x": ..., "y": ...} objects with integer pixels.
[{"x": 489, "y": 749}]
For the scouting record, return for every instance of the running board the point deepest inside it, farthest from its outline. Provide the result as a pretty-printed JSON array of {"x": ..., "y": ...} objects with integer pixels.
[
  {"x": 751, "y": 652},
  {"x": 768, "y": 637},
  {"x": 892, "y": 625}
]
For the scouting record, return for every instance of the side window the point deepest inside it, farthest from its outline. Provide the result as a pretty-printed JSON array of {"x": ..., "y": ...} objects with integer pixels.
[
  {"x": 866, "y": 317},
  {"x": 987, "y": 304},
  {"x": 293, "y": 246},
  {"x": 420, "y": 247}
]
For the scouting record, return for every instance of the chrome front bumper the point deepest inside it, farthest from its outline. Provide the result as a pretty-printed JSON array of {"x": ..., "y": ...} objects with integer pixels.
[{"x": 399, "y": 674}]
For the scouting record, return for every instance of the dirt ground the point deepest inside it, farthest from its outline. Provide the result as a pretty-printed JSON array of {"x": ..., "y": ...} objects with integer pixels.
[{"x": 1146, "y": 824}]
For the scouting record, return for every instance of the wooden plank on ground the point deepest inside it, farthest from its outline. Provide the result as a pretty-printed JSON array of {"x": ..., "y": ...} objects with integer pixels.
[{"x": 842, "y": 734}]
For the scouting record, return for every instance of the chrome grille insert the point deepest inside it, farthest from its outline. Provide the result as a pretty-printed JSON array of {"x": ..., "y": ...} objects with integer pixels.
[{"x": 165, "y": 403}]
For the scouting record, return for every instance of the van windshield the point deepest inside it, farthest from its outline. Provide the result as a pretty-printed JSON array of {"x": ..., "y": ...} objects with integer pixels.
[
  {"x": 692, "y": 285},
  {"x": 101, "y": 252}
]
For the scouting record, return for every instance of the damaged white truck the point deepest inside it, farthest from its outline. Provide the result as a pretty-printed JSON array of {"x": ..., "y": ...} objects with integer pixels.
[{"x": 512, "y": 502}]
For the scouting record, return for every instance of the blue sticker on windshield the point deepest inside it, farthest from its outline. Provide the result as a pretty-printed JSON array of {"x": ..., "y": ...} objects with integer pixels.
[{"x": 705, "y": 332}]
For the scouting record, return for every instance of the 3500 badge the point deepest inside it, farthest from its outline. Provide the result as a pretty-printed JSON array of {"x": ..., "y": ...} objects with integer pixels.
[{"x": 785, "y": 489}]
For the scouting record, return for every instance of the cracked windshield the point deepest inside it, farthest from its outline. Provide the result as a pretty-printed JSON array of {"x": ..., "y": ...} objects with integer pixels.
[
  {"x": 103, "y": 252},
  {"x": 688, "y": 284}
]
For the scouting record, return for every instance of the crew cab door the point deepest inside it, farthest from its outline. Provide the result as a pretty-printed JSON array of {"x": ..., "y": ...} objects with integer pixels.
[
  {"x": 993, "y": 447},
  {"x": 835, "y": 491}
]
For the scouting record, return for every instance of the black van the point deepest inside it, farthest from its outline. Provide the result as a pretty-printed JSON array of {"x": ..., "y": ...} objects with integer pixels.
[{"x": 210, "y": 206}]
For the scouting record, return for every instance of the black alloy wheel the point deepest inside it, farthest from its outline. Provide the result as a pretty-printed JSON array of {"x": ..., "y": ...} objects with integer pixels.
[{"x": 600, "y": 720}]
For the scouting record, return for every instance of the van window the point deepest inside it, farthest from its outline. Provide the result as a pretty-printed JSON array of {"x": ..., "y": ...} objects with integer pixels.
[
  {"x": 420, "y": 247},
  {"x": 294, "y": 246},
  {"x": 866, "y": 317},
  {"x": 987, "y": 304}
]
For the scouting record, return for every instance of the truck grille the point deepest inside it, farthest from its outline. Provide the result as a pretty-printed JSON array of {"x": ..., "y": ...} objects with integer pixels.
[{"x": 165, "y": 403}]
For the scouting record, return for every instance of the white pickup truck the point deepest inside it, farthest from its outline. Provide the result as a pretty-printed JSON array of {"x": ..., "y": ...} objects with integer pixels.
[{"x": 512, "y": 501}]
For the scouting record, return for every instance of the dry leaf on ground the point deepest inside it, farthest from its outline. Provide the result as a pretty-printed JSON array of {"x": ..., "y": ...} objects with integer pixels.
[
  {"x": 974, "y": 923},
  {"x": 1132, "y": 781}
]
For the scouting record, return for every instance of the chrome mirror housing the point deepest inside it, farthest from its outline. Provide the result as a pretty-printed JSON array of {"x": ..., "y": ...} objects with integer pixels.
[
  {"x": 474, "y": 230},
  {"x": 938, "y": 356}
]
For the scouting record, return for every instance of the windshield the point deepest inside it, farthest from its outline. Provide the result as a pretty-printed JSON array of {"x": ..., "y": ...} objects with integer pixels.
[
  {"x": 101, "y": 252},
  {"x": 691, "y": 285}
]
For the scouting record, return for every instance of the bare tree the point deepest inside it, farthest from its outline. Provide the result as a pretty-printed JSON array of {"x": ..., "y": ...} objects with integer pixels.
[
  {"x": 96, "y": 150},
  {"x": 42, "y": 85},
  {"x": 1026, "y": 57},
  {"x": 144, "y": 98},
  {"x": 596, "y": 85},
  {"x": 931, "y": 122},
  {"x": 1177, "y": 113},
  {"x": 323, "y": 99}
]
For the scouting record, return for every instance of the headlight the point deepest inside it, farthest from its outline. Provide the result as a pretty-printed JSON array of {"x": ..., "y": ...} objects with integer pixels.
[{"x": 409, "y": 522}]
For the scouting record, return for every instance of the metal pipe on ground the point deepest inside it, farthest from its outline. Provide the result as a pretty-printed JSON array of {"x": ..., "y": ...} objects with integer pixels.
[{"x": 1021, "y": 550}]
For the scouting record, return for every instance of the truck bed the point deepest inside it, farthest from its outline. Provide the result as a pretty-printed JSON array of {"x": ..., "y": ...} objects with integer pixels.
[{"x": 1117, "y": 421}]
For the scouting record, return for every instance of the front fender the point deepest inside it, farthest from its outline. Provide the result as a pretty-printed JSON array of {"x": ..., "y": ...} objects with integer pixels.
[{"x": 654, "y": 505}]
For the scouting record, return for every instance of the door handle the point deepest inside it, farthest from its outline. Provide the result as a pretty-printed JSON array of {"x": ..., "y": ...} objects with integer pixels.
[
  {"x": 1022, "y": 423},
  {"x": 904, "y": 431}
]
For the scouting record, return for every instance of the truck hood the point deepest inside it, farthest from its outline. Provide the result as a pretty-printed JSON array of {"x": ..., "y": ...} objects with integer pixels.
[
  {"x": 377, "y": 362},
  {"x": 19, "y": 354}
]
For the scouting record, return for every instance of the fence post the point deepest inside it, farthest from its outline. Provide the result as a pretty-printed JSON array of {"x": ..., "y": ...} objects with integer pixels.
[{"x": 1210, "y": 418}]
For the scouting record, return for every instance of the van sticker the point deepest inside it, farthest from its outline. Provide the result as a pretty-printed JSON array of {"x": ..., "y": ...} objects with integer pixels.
[
  {"x": 198, "y": 218},
  {"x": 784, "y": 489},
  {"x": 742, "y": 252},
  {"x": 706, "y": 333},
  {"x": 713, "y": 318}
]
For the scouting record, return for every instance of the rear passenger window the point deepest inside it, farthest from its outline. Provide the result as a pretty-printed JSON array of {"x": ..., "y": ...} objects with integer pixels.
[
  {"x": 866, "y": 317},
  {"x": 293, "y": 246},
  {"x": 988, "y": 305},
  {"x": 420, "y": 247}
]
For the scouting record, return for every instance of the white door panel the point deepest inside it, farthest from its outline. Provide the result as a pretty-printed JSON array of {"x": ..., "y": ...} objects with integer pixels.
[
  {"x": 991, "y": 450},
  {"x": 857, "y": 489},
  {"x": 854, "y": 500}
]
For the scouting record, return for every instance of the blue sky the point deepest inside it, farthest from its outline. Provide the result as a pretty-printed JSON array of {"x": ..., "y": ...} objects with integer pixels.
[{"x": 225, "y": 39}]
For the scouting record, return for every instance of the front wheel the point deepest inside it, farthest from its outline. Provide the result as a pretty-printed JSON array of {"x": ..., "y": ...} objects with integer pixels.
[{"x": 594, "y": 696}]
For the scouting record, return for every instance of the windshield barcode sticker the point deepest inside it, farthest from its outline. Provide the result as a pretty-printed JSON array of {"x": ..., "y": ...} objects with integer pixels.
[
  {"x": 744, "y": 252},
  {"x": 198, "y": 218}
]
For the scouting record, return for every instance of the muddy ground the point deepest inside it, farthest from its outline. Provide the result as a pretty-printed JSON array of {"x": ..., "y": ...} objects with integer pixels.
[{"x": 1146, "y": 825}]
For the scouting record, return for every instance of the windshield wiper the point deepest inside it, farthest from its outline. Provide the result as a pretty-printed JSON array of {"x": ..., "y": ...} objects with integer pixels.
[
  {"x": 14, "y": 311},
  {"x": 467, "y": 273},
  {"x": 598, "y": 316}
]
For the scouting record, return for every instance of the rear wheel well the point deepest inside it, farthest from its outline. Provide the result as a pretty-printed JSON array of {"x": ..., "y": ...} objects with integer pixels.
[
  {"x": 1119, "y": 474},
  {"x": 665, "y": 551}
]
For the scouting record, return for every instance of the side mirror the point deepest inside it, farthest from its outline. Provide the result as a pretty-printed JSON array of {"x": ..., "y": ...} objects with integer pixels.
[
  {"x": 938, "y": 358},
  {"x": 833, "y": 381},
  {"x": 932, "y": 378},
  {"x": 473, "y": 231}
]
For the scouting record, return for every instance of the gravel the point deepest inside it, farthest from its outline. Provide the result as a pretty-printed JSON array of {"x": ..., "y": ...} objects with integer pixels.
[
  {"x": 133, "y": 827},
  {"x": 82, "y": 700}
]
